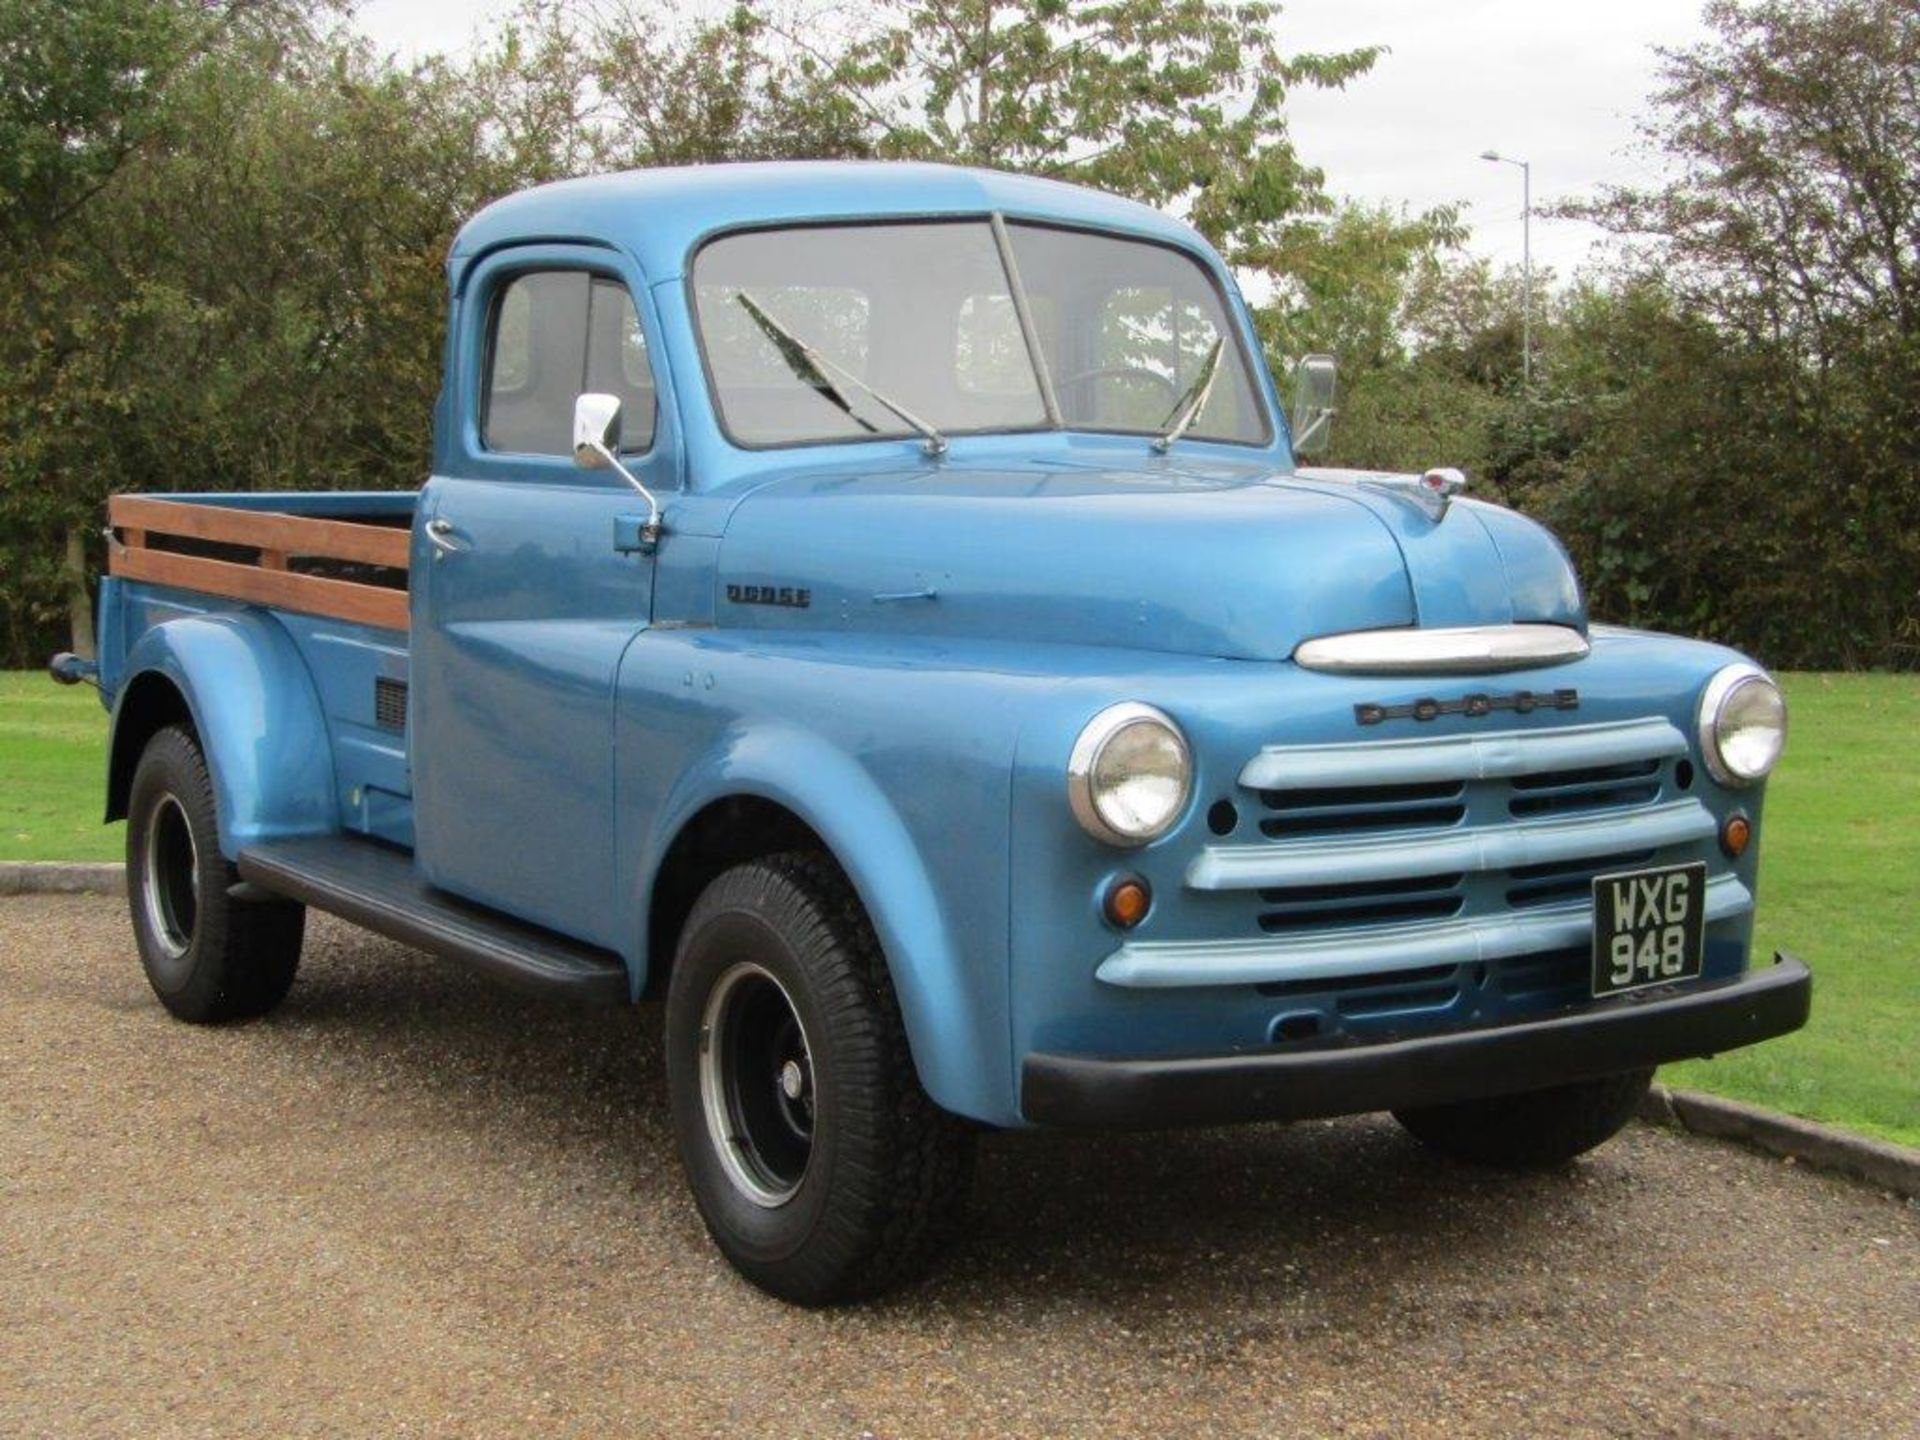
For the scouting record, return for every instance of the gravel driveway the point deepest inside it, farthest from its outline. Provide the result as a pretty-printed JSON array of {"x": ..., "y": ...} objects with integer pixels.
[{"x": 411, "y": 1204}]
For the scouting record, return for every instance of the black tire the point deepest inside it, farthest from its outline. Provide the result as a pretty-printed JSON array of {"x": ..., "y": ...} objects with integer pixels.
[
  {"x": 843, "y": 1178},
  {"x": 1534, "y": 1130},
  {"x": 208, "y": 956}
]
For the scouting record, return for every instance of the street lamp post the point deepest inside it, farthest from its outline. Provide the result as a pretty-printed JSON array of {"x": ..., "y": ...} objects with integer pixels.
[{"x": 1526, "y": 260}]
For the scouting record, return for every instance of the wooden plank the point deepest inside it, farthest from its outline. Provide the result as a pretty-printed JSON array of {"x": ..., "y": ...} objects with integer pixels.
[
  {"x": 263, "y": 530},
  {"x": 283, "y": 589}
]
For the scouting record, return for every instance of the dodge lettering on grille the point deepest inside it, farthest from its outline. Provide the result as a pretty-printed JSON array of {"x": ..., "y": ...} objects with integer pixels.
[{"x": 1521, "y": 702}]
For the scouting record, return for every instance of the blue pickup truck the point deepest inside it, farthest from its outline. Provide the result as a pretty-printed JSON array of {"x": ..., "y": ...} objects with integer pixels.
[{"x": 879, "y": 610}]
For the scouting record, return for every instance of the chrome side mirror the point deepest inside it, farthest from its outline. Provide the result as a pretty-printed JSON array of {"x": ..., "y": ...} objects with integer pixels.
[
  {"x": 596, "y": 431},
  {"x": 596, "y": 446},
  {"x": 1312, "y": 414}
]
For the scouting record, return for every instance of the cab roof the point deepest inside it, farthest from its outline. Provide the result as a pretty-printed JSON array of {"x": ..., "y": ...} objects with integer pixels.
[{"x": 660, "y": 216}]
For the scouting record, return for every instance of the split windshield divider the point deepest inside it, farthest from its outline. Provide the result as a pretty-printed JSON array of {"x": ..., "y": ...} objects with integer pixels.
[{"x": 1018, "y": 293}]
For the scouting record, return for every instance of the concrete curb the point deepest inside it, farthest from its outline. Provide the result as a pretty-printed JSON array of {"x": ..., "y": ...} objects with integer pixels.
[
  {"x": 59, "y": 877},
  {"x": 1819, "y": 1147}
]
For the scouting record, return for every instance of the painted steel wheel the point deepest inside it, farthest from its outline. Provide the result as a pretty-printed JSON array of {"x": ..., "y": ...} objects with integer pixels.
[
  {"x": 822, "y": 1169},
  {"x": 756, "y": 1084},
  {"x": 208, "y": 956}
]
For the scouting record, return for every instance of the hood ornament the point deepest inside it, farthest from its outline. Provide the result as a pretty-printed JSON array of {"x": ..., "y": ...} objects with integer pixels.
[{"x": 1431, "y": 493}]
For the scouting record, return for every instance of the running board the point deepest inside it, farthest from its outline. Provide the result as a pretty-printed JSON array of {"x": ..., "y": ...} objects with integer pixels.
[{"x": 379, "y": 889}]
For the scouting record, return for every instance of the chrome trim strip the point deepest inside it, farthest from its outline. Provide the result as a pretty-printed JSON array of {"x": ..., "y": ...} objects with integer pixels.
[
  {"x": 1458, "y": 650},
  {"x": 1499, "y": 755},
  {"x": 1183, "y": 964},
  {"x": 1544, "y": 842}
]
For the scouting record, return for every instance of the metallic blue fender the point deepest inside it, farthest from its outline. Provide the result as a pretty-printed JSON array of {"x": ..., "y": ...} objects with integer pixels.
[
  {"x": 959, "y": 1042},
  {"x": 258, "y": 716}
]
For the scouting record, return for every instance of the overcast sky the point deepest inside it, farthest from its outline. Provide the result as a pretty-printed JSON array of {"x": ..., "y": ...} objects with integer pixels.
[{"x": 1556, "y": 82}]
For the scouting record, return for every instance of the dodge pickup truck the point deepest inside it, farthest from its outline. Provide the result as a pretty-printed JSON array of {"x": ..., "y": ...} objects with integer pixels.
[{"x": 879, "y": 610}]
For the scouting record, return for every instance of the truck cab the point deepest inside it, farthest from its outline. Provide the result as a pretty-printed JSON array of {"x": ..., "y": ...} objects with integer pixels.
[{"x": 879, "y": 610}]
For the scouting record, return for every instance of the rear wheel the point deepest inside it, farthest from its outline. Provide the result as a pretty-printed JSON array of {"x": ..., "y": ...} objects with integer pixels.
[
  {"x": 822, "y": 1169},
  {"x": 208, "y": 956},
  {"x": 1535, "y": 1129}
]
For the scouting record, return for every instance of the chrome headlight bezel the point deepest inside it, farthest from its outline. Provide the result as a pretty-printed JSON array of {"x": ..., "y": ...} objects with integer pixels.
[
  {"x": 1084, "y": 779},
  {"x": 1726, "y": 684}
]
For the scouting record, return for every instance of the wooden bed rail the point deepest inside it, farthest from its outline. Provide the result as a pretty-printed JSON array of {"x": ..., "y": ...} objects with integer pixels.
[{"x": 278, "y": 538}]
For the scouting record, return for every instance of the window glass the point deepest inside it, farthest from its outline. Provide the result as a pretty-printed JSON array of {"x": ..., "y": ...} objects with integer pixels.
[
  {"x": 536, "y": 363},
  {"x": 558, "y": 334},
  {"x": 796, "y": 323},
  {"x": 921, "y": 311},
  {"x": 990, "y": 353},
  {"x": 617, "y": 362},
  {"x": 1126, "y": 329}
]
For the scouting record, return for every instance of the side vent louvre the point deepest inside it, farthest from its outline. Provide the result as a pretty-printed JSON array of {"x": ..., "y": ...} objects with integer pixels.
[{"x": 390, "y": 704}]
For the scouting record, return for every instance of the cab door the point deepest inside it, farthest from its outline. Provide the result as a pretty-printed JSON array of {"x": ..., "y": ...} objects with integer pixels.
[{"x": 528, "y": 590}]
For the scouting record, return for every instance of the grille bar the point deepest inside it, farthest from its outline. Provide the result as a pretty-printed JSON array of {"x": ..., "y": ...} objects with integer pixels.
[
  {"x": 1326, "y": 955},
  {"x": 1501, "y": 755},
  {"x": 1503, "y": 847}
]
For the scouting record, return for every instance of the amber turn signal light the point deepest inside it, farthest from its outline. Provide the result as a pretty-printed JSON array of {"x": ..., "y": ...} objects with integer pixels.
[
  {"x": 1127, "y": 901},
  {"x": 1736, "y": 833}
]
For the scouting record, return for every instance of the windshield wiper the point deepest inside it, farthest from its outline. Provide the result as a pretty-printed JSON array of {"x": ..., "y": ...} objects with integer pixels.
[
  {"x": 817, "y": 370},
  {"x": 1187, "y": 409}
]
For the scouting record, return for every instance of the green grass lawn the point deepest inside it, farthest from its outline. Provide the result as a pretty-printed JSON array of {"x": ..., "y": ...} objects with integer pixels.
[
  {"x": 1840, "y": 888},
  {"x": 1839, "y": 883},
  {"x": 53, "y": 745}
]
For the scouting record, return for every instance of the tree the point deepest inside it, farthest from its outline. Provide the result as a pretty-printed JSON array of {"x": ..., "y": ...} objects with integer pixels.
[
  {"x": 1792, "y": 225},
  {"x": 1177, "y": 103},
  {"x": 252, "y": 301},
  {"x": 1795, "y": 212},
  {"x": 85, "y": 86}
]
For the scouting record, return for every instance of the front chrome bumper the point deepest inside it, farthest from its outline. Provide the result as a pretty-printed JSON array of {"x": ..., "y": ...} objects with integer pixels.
[{"x": 1311, "y": 1079}]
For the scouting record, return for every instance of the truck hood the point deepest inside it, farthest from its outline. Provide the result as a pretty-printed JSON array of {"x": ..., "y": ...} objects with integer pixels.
[{"x": 1193, "y": 558}]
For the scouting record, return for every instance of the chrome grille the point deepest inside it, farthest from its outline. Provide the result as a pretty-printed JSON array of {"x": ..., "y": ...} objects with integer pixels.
[
  {"x": 1416, "y": 867},
  {"x": 1550, "y": 977},
  {"x": 1601, "y": 787},
  {"x": 1301, "y": 907},
  {"x": 1424, "y": 845},
  {"x": 1566, "y": 879},
  {"x": 1344, "y": 809}
]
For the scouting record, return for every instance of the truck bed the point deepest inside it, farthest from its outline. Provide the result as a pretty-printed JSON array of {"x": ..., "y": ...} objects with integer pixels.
[
  {"x": 342, "y": 556},
  {"x": 328, "y": 569}
]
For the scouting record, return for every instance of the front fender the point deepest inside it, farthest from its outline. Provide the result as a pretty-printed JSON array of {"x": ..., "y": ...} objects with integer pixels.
[
  {"x": 959, "y": 1042},
  {"x": 258, "y": 717}
]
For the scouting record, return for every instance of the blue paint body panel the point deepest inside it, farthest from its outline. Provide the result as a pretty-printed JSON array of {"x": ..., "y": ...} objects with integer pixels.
[{"x": 575, "y": 701}]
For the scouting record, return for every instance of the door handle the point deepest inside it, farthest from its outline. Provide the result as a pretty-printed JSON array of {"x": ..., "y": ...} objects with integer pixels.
[{"x": 441, "y": 535}]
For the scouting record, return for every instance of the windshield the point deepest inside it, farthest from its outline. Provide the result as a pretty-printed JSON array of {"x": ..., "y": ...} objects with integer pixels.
[{"x": 854, "y": 332}]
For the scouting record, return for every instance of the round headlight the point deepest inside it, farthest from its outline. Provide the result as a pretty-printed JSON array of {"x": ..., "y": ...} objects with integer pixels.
[
  {"x": 1130, "y": 775},
  {"x": 1743, "y": 724}
]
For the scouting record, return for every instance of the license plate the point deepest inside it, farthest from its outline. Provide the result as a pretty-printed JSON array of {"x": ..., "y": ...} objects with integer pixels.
[{"x": 1649, "y": 927}]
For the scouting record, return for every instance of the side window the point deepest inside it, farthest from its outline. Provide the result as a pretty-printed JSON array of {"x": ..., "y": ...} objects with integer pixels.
[
  {"x": 617, "y": 362},
  {"x": 556, "y": 335}
]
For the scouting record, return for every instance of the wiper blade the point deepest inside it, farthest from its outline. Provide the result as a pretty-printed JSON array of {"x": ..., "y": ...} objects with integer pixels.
[
  {"x": 1187, "y": 409},
  {"x": 817, "y": 370}
]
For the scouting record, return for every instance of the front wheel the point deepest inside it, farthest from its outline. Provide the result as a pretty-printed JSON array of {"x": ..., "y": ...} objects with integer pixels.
[
  {"x": 1534, "y": 1130},
  {"x": 208, "y": 956},
  {"x": 822, "y": 1169}
]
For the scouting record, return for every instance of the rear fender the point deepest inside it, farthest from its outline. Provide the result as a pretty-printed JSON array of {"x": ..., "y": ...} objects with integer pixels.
[{"x": 257, "y": 714}]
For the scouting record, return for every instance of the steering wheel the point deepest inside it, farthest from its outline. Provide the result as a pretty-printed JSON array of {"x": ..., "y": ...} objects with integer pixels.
[{"x": 1124, "y": 372}]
